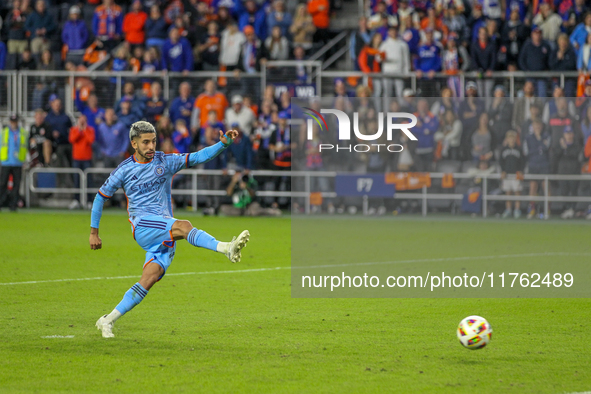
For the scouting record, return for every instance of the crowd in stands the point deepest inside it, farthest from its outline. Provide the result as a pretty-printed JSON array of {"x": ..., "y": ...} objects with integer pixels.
[
  {"x": 157, "y": 35},
  {"x": 453, "y": 36},
  {"x": 527, "y": 135}
]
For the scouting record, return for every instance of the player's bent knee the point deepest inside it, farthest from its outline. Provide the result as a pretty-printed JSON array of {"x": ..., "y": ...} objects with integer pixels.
[{"x": 181, "y": 229}]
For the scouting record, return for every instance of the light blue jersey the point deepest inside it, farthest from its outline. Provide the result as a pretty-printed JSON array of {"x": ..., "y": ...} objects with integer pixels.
[{"x": 147, "y": 186}]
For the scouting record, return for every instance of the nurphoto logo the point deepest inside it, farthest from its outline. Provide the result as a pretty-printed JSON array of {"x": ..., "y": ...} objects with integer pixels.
[{"x": 395, "y": 121}]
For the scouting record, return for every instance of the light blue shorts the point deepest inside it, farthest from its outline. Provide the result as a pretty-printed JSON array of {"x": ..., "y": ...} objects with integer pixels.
[{"x": 154, "y": 235}]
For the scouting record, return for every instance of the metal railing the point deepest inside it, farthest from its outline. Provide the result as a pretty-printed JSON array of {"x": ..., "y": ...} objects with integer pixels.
[
  {"x": 313, "y": 78},
  {"x": 511, "y": 78},
  {"x": 194, "y": 192},
  {"x": 329, "y": 45},
  {"x": 423, "y": 195},
  {"x": 18, "y": 87},
  {"x": 108, "y": 85},
  {"x": 8, "y": 92}
]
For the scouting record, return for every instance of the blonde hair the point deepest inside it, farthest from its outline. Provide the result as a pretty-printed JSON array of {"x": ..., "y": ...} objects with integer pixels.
[{"x": 139, "y": 128}]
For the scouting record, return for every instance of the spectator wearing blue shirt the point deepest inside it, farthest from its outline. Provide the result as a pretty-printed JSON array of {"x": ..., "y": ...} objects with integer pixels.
[
  {"x": 75, "y": 33},
  {"x": 137, "y": 103},
  {"x": 228, "y": 9},
  {"x": 411, "y": 36},
  {"x": 40, "y": 26},
  {"x": 212, "y": 122},
  {"x": 428, "y": 62},
  {"x": 255, "y": 17},
  {"x": 518, "y": 5},
  {"x": 182, "y": 106},
  {"x": 177, "y": 54},
  {"x": 107, "y": 24},
  {"x": 94, "y": 114},
  {"x": 579, "y": 35},
  {"x": 476, "y": 21},
  {"x": 150, "y": 63},
  {"x": 60, "y": 125},
  {"x": 112, "y": 140},
  {"x": 127, "y": 114},
  {"x": 484, "y": 60},
  {"x": 429, "y": 59},
  {"x": 586, "y": 123},
  {"x": 60, "y": 131},
  {"x": 156, "y": 28},
  {"x": 534, "y": 56},
  {"x": 427, "y": 125},
  {"x": 278, "y": 16},
  {"x": 2, "y": 55},
  {"x": 120, "y": 62},
  {"x": 181, "y": 137},
  {"x": 572, "y": 15},
  {"x": 210, "y": 135},
  {"x": 155, "y": 105}
]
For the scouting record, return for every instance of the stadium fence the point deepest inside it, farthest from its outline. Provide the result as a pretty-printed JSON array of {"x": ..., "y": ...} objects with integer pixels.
[
  {"x": 303, "y": 192},
  {"x": 19, "y": 89}
]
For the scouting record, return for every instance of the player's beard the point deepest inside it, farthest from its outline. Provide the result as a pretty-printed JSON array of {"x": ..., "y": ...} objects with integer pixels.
[{"x": 143, "y": 156}]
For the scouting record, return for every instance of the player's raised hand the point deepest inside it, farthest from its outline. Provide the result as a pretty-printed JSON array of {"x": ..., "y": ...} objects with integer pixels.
[
  {"x": 231, "y": 134},
  {"x": 95, "y": 242}
]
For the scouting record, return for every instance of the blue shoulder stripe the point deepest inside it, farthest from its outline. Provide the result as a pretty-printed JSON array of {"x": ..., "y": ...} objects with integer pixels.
[{"x": 123, "y": 163}]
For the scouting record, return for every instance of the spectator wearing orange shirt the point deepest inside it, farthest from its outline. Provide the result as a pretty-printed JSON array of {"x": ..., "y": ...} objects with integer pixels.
[
  {"x": 133, "y": 24},
  {"x": 81, "y": 137},
  {"x": 208, "y": 101},
  {"x": 370, "y": 59},
  {"x": 320, "y": 9},
  {"x": 435, "y": 22}
]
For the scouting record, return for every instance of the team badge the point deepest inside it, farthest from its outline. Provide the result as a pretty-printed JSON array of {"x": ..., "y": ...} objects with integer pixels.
[{"x": 159, "y": 170}]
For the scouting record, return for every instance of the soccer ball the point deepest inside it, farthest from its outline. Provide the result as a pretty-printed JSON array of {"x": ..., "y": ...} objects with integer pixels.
[{"x": 474, "y": 332}]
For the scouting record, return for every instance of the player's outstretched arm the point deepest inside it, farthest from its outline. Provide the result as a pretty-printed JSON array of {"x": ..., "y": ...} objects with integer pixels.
[
  {"x": 206, "y": 154},
  {"x": 95, "y": 218},
  {"x": 106, "y": 191}
]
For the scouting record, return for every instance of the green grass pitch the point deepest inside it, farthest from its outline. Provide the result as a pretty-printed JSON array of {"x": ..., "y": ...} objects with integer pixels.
[{"x": 240, "y": 331}]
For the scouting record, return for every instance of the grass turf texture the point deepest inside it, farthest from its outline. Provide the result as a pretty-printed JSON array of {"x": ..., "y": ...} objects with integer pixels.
[{"x": 242, "y": 332}]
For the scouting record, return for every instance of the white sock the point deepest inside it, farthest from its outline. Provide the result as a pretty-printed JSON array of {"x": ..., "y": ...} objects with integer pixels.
[
  {"x": 223, "y": 247},
  {"x": 113, "y": 316}
]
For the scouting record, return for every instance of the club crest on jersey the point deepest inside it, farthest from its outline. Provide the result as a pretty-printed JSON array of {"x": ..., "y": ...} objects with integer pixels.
[{"x": 159, "y": 170}]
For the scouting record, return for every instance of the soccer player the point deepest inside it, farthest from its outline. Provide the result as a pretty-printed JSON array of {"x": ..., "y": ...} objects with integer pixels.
[{"x": 146, "y": 180}]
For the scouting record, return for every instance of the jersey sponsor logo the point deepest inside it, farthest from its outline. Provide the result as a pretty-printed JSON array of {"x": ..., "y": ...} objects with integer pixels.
[
  {"x": 148, "y": 186},
  {"x": 159, "y": 170}
]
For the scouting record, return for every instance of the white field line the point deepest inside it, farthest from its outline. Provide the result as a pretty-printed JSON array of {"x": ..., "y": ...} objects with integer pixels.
[
  {"x": 58, "y": 336},
  {"x": 434, "y": 260}
]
